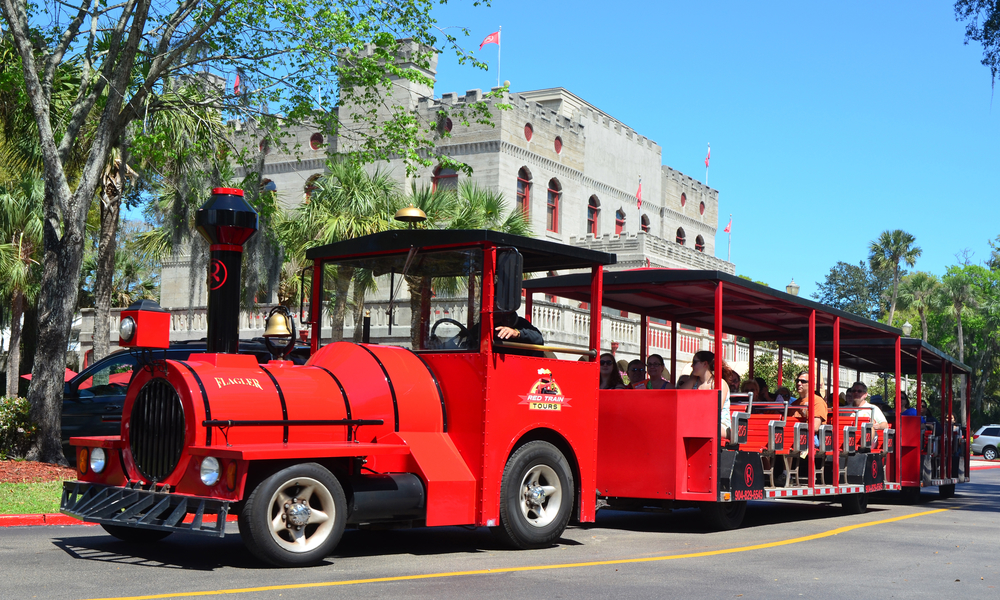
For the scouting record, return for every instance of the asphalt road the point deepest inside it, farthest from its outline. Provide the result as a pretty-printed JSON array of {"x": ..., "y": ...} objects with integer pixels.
[{"x": 936, "y": 549}]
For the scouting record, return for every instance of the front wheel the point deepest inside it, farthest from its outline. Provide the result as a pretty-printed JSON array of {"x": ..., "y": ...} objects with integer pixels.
[
  {"x": 724, "y": 516},
  {"x": 989, "y": 453},
  {"x": 295, "y": 517},
  {"x": 536, "y": 496},
  {"x": 854, "y": 504}
]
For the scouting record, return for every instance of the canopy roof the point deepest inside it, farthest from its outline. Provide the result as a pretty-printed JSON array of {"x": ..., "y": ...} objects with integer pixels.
[
  {"x": 539, "y": 255},
  {"x": 750, "y": 310}
]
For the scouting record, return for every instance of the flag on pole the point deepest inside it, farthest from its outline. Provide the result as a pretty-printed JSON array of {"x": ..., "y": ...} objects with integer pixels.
[
  {"x": 729, "y": 227},
  {"x": 708, "y": 156},
  {"x": 493, "y": 38},
  {"x": 638, "y": 195},
  {"x": 236, "y": 84}
]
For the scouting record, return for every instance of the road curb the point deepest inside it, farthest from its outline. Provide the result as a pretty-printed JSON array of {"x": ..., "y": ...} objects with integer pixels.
[{"x": 63, "y": 520}]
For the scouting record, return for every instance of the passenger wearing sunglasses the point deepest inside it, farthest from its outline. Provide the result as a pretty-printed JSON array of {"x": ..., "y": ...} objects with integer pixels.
[
  {"x": 801, "y": 406},
  {"x": 656, "y": 369},
  {"x": 611, "y": 379},
  {"x": 703, "y": 378}
]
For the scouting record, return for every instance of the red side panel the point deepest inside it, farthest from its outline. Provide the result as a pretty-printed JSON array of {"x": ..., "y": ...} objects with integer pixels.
[
  {"x": 909, "y": 437},
  {"x": 451, "y": 488},
  {"x": 658, "y": 444}
]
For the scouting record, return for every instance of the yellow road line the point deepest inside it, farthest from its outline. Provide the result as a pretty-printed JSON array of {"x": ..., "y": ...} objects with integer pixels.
[{"x": 623, "y": 561}]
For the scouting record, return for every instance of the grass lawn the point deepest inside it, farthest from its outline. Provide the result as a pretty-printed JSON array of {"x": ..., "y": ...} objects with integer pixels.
[{"x": 30, "y": 498}]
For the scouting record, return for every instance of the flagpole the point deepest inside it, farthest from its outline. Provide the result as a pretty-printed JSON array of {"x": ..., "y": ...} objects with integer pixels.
[
  {"x": 499, "y": 40},
  {"x": 729, "y": 251}
]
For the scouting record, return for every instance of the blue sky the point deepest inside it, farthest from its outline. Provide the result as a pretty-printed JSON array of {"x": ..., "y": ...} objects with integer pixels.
[{"x": 829, "y": 123}]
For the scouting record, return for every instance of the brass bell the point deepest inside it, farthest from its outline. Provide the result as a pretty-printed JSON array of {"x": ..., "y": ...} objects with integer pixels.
[
  {"x": 277, "y": 326},
  {"x": 411, "y": 214}
]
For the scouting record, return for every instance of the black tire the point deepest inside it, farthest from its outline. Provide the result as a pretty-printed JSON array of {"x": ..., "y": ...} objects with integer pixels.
[
  {"x": 134, "y": 535},
  {"x": 536, "y": 496},
  {"x": 910, "y": 494},
  {"x": 724, "y": 516},
  {"x": 854, "y": 504},
  {"x": 266, "y": 521},
  {"x": 946, "y": 491},
  {"x": 989, "y": 453}
]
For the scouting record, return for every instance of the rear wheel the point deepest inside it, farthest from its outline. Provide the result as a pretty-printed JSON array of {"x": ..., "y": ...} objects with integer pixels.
[
  {"x": 910, "y": 494},
  {"x": 295, "y": 517},
  {"x": 854, "y": 504},
  {"x": 989, "y": 453},
  {"x": 724, "y": 516},
  {"x": 135, "y": 535},
  {"x": 536, "y": 496}
]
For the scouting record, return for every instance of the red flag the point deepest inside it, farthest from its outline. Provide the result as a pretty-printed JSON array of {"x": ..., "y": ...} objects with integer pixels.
[
  {"x": 236, "y": 84},
  {"x": 493, "y": 38},
  {"x": 708, "y": 156},
  {"x": 729, "y": 226},
  {"x": 638, "y": 195}
]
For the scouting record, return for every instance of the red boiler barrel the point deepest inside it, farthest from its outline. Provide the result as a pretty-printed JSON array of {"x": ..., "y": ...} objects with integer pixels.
[{"x": 167, "y": 406}]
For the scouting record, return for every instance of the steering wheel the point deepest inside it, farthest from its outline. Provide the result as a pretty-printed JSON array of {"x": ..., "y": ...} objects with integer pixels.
[{"x": 433, "y": 341}]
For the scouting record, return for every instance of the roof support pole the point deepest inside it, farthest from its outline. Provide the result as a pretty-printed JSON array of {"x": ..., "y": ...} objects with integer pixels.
[
  {"x": 920, "y": 405},
  {"x": 813, "y": 372},
  {"x": 596, "y": 295},
  {"x": 781, "y": 365},
  {"x": 835, "y": 452},
  {"x": 950, "y": 427},
  {"x": 718, "y": 336},
  {"x": 899, "y": 408},
  {"x": 643, "y": 337},
  {"x": 316, "y": 306},
  {"x": 750, "y": 344},
  {"x": 529, "y": 303},
  {"x": 968, "y": 426},
  {"x": 673, "y": 352},
  {"x": 944, "y": 415}
]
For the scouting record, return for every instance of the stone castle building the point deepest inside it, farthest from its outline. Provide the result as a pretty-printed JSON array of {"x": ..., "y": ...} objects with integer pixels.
[{"x": 573, "y": 168}]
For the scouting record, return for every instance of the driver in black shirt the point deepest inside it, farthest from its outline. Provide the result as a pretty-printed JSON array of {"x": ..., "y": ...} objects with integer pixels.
[{"x": 510, "y": 327}]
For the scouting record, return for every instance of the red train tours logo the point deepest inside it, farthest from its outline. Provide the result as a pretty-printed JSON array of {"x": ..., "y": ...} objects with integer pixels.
[{"x": 545, "y": 393}]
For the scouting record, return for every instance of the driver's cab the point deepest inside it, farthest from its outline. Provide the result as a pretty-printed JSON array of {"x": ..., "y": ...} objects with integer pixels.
[{"x": 438, "y": 291}]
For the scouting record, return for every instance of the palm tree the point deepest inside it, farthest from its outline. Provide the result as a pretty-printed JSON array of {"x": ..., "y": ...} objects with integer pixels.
[
  {"x": 958, "y": 291},
  {"x": 21, "y": 234},
  {"x": 918, "y": 290},
  {"x": 347, "y": 202},
  {"x": 887, "y": 252}
]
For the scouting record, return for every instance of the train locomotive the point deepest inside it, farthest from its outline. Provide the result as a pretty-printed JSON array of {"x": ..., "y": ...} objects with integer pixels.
[{"x": 362, "y": 434}]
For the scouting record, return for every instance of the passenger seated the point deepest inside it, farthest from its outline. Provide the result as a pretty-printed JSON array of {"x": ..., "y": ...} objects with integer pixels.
[
  {"x": 806, "y": 395},
  {"x": 656, "y": 369},
  {"x": 782, "y": 395},
  {"x": 858, "y": 396},
  {"x": 611, "y": 379},
  {"x": 750, "y": 387},
  {"x": 703, "y": 378},
  {"x": 682, "y": 381},
  {"x": 765, "y": 393},
  {"x": 636, "y": 374}
]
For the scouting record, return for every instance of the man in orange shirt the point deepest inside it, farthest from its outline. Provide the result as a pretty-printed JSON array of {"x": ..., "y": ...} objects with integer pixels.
[{"x": 800, "y": 406}]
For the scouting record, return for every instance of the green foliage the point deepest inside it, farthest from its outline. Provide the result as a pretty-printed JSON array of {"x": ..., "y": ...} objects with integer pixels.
[
  {"x": 30, "y": 498},
  {"x": 16, "y": 428},
  {"x": 892, "y": 248},
  {"x": 855, "y": 289},
  {"x": 766, "y": 365},
  {"x": 983, "y": 25},
  {"x": 136, "y": 275}
]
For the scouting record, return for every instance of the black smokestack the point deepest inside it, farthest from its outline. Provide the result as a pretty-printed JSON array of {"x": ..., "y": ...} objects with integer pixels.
[{"x": 227, "y": 222}]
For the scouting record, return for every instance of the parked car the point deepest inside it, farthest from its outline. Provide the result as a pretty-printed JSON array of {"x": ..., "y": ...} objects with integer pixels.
[
  {"x": 93, "y": 399},
  {"x": 986, "y": 441}
]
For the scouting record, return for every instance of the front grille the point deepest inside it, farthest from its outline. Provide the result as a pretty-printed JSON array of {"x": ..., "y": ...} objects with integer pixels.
[{"x": 156, "y": 429}]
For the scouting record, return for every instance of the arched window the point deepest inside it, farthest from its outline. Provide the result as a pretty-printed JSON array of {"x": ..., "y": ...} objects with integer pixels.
[
  {"x": 311, "y": 185},
  {"x": 699, "y": 244},
  {"x": 316, "y": 141},
  {"x": 558, "y": 145},
  {"x": 593, "y": 210},
  {"x": 528, "y": 131},
  {"x": 644, "y": 223},
  {"x": 681, "y": 237},
  {"x": 264, "y": 146},
  {"x": 444, "y": 179},
  {"x": 552, "y": 205},
  {"x": 684, "y": 199},
  {"x": 701, "y": 208},
  {"x": 619, "y": 221},
  {"x": 523, "y": 190}
]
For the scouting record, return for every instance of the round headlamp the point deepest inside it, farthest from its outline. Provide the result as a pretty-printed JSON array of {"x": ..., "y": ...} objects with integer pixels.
[
  {"x": 97, "y": 460},
  {"x": 210, "y": 470},
  {"x": 126, "y": 329}
]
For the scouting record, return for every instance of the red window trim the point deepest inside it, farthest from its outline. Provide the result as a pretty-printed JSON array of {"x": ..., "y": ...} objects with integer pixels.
[
  {"x": 527, "y": 194},
  {"x": 552, "y": 208},
  {"x": 436, "y": 178}
]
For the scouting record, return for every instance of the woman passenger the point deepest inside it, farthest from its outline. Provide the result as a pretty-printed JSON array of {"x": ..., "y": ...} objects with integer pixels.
[
  {"x": 750, "y": 387},
  {"x": 655, "y": 370},
  {"x": 703, "y": 378},
  {"x": 611, "y": 379}
]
